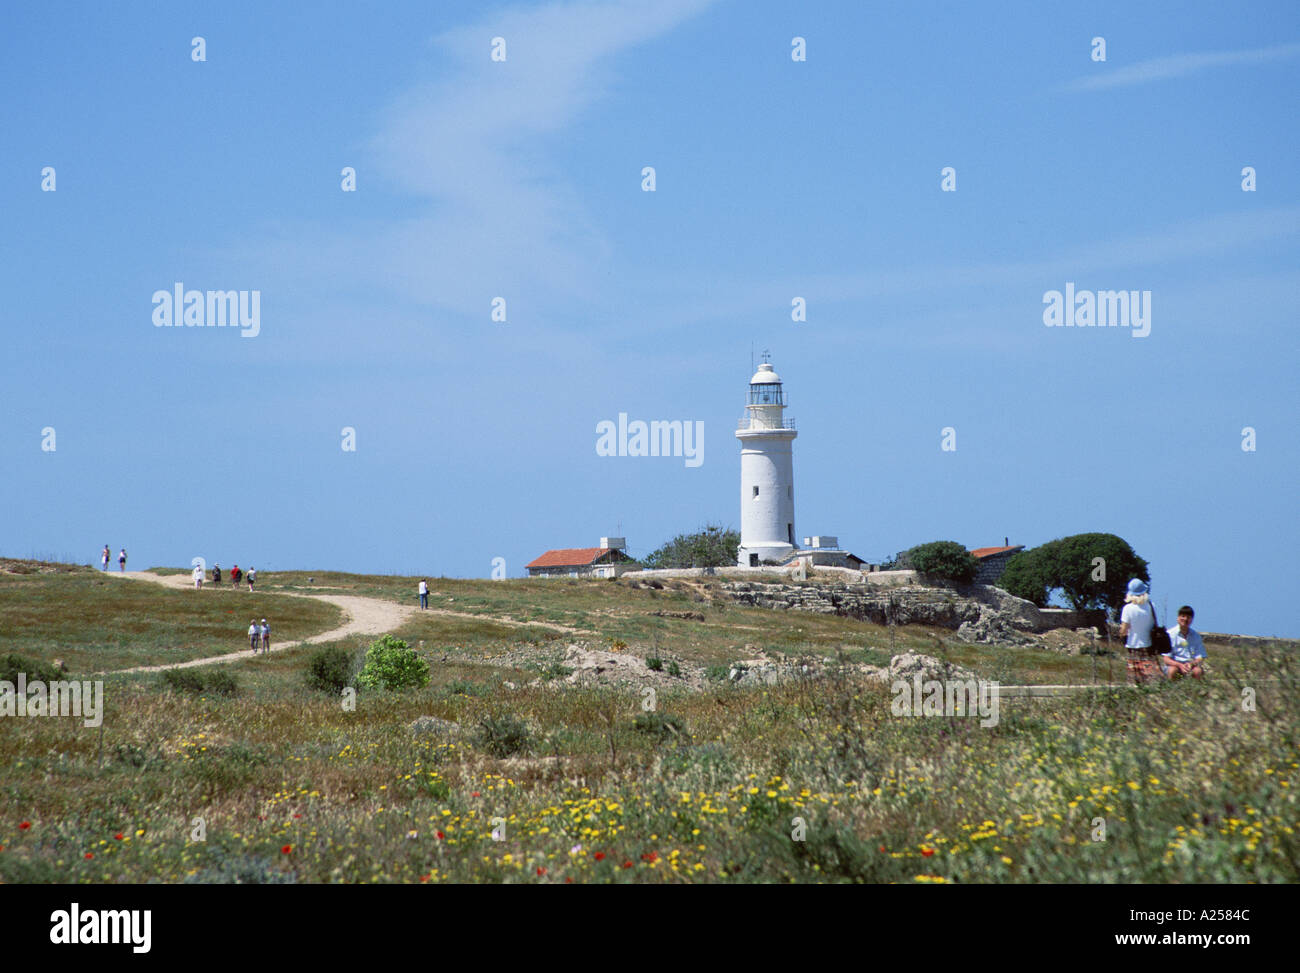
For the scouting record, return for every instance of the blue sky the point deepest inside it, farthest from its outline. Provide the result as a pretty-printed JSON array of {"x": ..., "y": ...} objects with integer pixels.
[{"x": 522, "y": 179}]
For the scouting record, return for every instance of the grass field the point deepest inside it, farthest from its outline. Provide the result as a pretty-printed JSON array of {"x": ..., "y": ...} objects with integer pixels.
[
  {"x": 95, "y": 623},
  {"x": 804, "y": 781}
]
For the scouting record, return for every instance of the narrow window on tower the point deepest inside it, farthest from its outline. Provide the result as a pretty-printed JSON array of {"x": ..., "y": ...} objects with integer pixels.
[
  {"x": 755, "y": 493},
  {"x": 789, "y": 529}
]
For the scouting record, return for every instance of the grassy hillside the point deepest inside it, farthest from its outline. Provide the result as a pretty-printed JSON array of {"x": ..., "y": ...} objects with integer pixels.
[
  {"x": 94, "y": 623},
  {"x": 583, "y": 784}
]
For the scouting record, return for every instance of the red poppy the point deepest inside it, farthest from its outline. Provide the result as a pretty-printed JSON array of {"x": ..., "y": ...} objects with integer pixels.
[
  {"x": 927, "y": 852},
  {"x": 627, "y": 864},
  {"x": 541, "y": 870},
  {"x": 475, "y": 794},
  {"x": 118, "y": 836},
  {"x": 599, "y": 856},
  {"x": 650, "y": 856},
  {"x": 425, "y": 878},
  {"x": 24, "y": 826},
  {"x": 440, "y": 835},
  {"x": 89, "y": 855},
  {"x": 568, "y": 879},
  {"x": 286, "y": 849},
  {"x": 882, "y": 847},
  {"x": 297, "y": 815}
]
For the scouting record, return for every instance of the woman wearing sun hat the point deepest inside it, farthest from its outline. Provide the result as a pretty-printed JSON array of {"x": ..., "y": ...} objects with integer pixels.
[{"x": 1135, "y": 624}]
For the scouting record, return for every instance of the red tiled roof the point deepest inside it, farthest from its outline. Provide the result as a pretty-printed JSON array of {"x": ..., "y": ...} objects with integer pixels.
[
  {"x": 568, "y": 557},
  {"x": 982, "y": 552}
]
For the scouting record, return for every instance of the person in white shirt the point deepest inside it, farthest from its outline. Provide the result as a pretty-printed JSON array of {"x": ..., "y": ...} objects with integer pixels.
[
  {"x": 424, "y": 594},
  {"x": 253, "y": 635},
  {"x": 105, "y": 557},
  {"x": 1187, "y": 651},
  {"x": 198, "y": 577},
  {"x": 121, "y": 559},
  {"x": 252, "y": 576},
  {"x": 266, "y": 636},
  {"x": 1135, "y": 624}
]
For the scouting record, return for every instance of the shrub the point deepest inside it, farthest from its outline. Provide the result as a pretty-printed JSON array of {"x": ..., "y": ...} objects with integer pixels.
[
  {"x": 330, "y": 669},
  {"x": 659, "y": 726},
  {"x": 183, "y": 681},
  {"x": 196, "y": 681},
  {"x": 944, "y": 559},
  {"x": 221, "y": 682},
  {"x": 503, "y": 736},
  {"x": 674, "y": 669},
  {"x": 392, "y": 664},
  {"x": 654, "y": 663},
  {"x": 555, "y": 671},
  {"x": 717, "y": 673},
  {"x": 11, "y": 665},
  {"x": 710, "y": 547}
]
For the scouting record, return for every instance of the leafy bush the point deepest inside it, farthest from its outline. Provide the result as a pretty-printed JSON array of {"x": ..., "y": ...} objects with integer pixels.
[
  {"x": 717, "y": 673},
  {"x": 503, "y": 736},
  {"x": 221, "y": 682},
  {"x": 1070, "y": 565},
  {"x": 392, "y": 664},
  {"x": 654, "y": 663},
  {"x": 11, "y": 665},
  {"x": 944, "y": 559},
  {"x": 674, "y": 669},
  {"x": 183, "y": 681},
  {"x": 711, "y": 547},
  {"x": 196, "y": 681},
  {"x": 330, "y": 669},
  {"x": 659, "y": 726}
]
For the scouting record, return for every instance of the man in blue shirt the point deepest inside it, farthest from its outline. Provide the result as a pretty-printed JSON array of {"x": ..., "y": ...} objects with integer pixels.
[{"x": 1187, "y": 652}]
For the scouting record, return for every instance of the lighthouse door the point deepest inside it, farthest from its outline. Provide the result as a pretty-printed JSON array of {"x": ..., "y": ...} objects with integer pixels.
[{"x": 789, "y": 530}]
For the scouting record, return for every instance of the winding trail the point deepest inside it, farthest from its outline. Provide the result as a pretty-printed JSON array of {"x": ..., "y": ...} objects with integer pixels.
[{"x": 361, "y": 616}]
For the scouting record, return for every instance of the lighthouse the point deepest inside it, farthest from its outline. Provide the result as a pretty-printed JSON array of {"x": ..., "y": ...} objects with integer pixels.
[{"x": 766, "y": 473}]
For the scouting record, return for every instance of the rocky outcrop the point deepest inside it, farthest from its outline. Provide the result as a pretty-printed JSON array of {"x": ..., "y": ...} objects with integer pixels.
[
  {"x": 976, "y": 612},
  {"x": 435, "y": 727}
]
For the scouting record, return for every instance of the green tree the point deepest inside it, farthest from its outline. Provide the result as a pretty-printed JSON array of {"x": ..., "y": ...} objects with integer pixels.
[
  {"x": 711, "y": 547},
  {"x": 1090, "y": 570},
  {"x": 943, "y": 559}
]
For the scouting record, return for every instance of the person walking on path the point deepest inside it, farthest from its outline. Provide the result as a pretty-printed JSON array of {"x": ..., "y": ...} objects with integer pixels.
[
  {"x": 266, "y": 636},
  {"x": 424, "y": 594},
  {"x": 235, "y": 575},
  {"x": 198, "y": 577},
  {"x": 121, "y": 560},
  {"x": 1136, "y": 622},
  {"x": 104, "y": 557},
  {"x": 252, "y": 576},
  {"x": 216, "y": 575},
  {"x": 253, "y": 635}
]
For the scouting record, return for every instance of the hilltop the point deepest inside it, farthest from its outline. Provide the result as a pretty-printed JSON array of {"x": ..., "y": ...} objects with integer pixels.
[{"x": 518, "y": 733}]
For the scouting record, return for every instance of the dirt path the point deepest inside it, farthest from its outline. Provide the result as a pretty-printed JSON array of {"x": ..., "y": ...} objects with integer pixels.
[{"x": 361, "y": 616}]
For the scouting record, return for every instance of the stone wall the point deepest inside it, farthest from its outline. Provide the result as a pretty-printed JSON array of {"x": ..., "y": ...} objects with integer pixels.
[{"x": 908, "y": 604}]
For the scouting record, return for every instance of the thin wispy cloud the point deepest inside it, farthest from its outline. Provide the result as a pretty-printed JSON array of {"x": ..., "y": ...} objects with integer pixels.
[
  {"x": 491, "y": 213},
  {"x": 1178, "y": 66}
]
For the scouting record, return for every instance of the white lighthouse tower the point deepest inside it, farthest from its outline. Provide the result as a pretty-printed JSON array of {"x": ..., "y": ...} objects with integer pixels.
[{"x": 766, "y": 472}]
